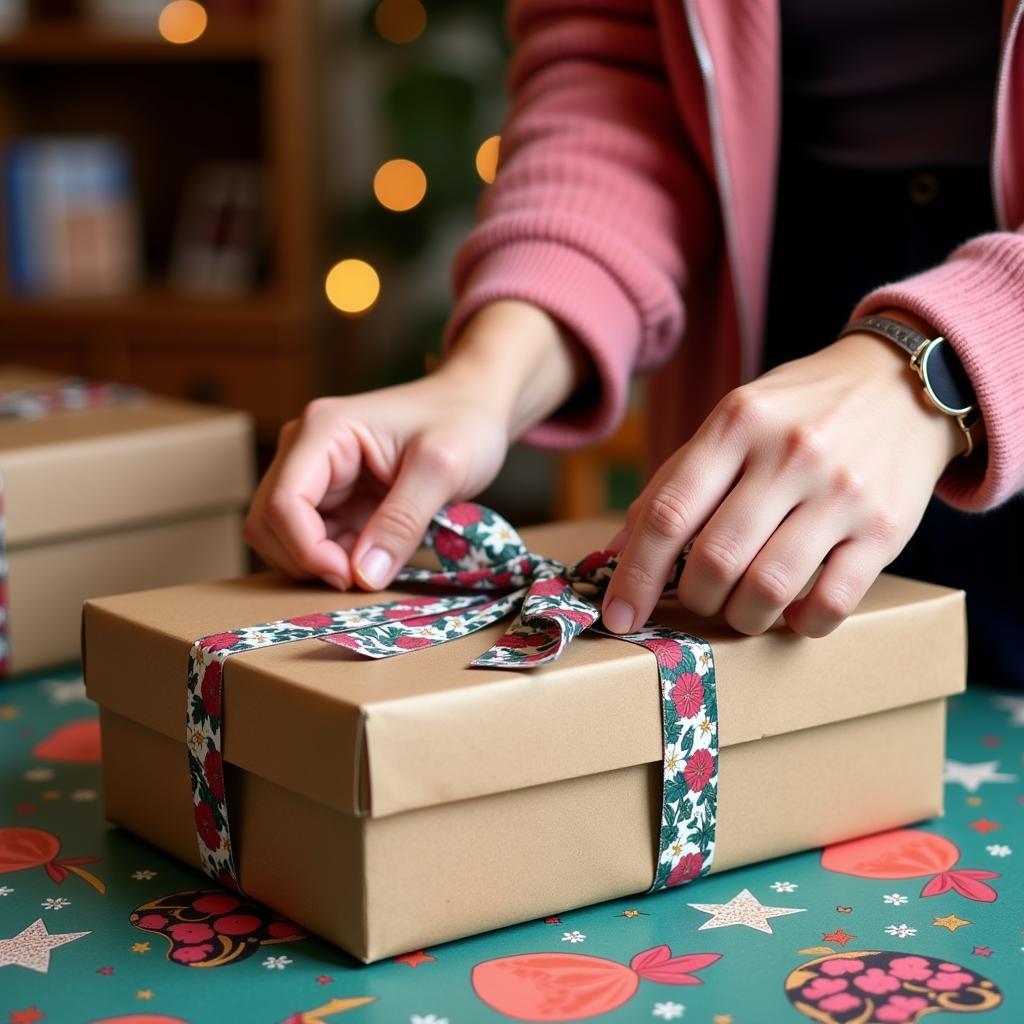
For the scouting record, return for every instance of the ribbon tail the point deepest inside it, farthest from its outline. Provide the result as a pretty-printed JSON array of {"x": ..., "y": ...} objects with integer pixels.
[{"x": 415, "y": 632}]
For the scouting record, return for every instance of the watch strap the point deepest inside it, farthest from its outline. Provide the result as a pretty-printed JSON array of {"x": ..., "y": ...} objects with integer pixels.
[{"x": 908, "y": 339}]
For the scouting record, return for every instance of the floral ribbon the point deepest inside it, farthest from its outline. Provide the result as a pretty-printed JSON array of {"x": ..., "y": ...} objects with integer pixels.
[
  {"x": 36, "y": 404},
  {"x": 483, "y": 557}
]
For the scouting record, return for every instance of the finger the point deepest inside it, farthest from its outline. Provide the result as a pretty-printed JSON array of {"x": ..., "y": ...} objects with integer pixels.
[
  {"x": 784, "y": 566},
  {"x": 430, "y": 475},
  {"x": 315, "y": 463},
  {"x": 684, "y": 492},
  {"x": 731, "y": 539},
  {"x": 850, "y": 570}
]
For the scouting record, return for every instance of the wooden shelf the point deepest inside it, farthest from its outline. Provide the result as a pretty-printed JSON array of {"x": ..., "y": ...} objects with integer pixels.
[{"x": 71, "y": 41}]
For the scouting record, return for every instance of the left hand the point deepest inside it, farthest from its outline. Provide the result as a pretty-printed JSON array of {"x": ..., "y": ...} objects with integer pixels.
[{"x": 831, "y": 458}]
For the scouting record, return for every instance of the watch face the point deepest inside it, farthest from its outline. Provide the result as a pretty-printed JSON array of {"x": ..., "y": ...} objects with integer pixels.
[{"x": 945, "y": 379}]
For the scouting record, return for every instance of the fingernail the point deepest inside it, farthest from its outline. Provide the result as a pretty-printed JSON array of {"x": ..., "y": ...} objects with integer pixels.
[
  {"x": 618, "y": 616},
  {"x": 375, "y": 567},
  {"x": 616, "y": 543},
  {"x": 336, "y": 581}
]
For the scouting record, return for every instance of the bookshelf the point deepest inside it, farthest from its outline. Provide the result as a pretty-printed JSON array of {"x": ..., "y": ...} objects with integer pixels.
[{"x": 243, "y": 91}]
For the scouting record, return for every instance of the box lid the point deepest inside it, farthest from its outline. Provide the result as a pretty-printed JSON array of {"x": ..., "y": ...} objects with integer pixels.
[
  {"x": 381, "y": 737},
  {"x": 82, "y": 471}
]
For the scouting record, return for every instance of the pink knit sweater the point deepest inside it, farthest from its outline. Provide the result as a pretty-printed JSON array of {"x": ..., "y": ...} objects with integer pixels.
[{"x": 635, "y": 204}]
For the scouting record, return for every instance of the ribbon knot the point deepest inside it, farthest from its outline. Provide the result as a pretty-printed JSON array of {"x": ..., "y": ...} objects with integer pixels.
[{"x": 479, "y": 551}]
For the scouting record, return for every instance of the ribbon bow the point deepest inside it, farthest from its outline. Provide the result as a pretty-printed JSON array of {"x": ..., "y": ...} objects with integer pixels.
[{"x": 481, "y": 554}]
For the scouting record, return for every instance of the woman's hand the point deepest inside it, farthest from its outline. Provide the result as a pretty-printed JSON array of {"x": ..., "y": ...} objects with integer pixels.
[
  {"x": 356, "y": 480},
  {"x": 833, "y": 456}
]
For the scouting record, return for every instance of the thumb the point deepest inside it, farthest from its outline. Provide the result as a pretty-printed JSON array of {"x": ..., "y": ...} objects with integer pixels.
[{"x": 431, "y": 474}]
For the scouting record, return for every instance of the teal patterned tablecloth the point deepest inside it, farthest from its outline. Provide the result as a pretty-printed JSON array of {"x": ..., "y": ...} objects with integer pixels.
[{"x": 88, "y": 914}]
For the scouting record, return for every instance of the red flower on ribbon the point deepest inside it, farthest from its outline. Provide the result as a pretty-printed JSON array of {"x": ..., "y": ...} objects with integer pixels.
[
  {"x": 687, "y": 869},
  {"x": 699, "y": 769},
  {"x": 548, "y": 588},
  {"x": 312, "y": 621},
  {"x": 412, "y": 643},
  {"x": 465, "y": 513},
  {"x": 517, "y": 640},
  {"x": 220, "y": 641},
  {"x": 213, "y": 767},
  {"x": 211, "y": 689},
  {"x": 343, "y": 640},
  {"x": 206, "y": 826},
  {"x": 666, "y": 651},
  {"x": 450, "y": 545},
  {"x": 569, "y": 613},
  {"x": 594, "y": 561},
  {"x": 688, "y": 694}
]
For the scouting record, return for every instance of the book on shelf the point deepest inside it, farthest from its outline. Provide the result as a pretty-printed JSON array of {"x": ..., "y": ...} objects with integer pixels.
[{"x": 71, "y": 214}]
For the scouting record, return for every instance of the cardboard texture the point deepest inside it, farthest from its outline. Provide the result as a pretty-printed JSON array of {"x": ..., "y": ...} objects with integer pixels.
[
  {"x": 103, "y": 500},
  {"x": 364, "y": 794}
]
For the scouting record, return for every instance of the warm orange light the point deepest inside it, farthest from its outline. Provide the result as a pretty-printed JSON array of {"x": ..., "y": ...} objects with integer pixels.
[
  {"x": 399, "y": 185},
  {"x": 400, "y": 21},
  {"x": 487, "y": 158},
  {"x": 352, "y": 286},
  {"x": 182, "y": 21}
]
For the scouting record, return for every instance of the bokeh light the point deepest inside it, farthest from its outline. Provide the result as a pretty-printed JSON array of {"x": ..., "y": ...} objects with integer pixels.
[
  {"x": 352, "y": 286},
  {"x": 487, "y": 158},
  {"x": 399, "y": 185},
  {"x": 182, "y": 21},
  {"x": 400, "y": 21}
]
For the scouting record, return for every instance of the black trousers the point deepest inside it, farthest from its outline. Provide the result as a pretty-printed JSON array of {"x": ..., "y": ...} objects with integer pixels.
[{"x": 839, "y": 234}]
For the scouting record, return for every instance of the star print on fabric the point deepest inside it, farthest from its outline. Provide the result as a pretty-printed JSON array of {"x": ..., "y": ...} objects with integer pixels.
[
  {"x": 140, "y": 947},
  {"x": 632, "y": 913},
  {"x": 722, "y": 1018},
  {"x": 981, "y": 951},
  {"x": 145, "y": 993},
  {"x": 31, "y": 947},
  {"x": 28, "y": 1016},
  {"x": 973, "y": 776},
  {"x": 1015, "y": 705},
  {"x": 744, "y": 908},
  {"x": 984, "y": 826},
  {"x": 415, "y": 959},
  {"x": 950, "y": 921},
  {"x": 8, "y": 713},
  {"x": 973, "y": 801},
  {"x": 838, "y": 936}
]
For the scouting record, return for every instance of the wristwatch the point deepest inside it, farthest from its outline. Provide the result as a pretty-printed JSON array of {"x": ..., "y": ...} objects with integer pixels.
[{"x": 942, "y": 375}]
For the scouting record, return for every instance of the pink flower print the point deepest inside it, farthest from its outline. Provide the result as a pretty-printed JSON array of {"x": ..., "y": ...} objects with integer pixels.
[
  {"x": 592, "y": 562},
  {"x": 411, "y": 643},
  {"x": 571, "y": 614},
  {"x": 877, "y": 982},
  {"x": 688, "y": 691},
  {"x": 840, "y": 1003},
  {"x": 191, "y": 954},
  {"x": 312, "y": 621},
  {"x": 910, "y": 968},
  {"x": 465, "y": 513},
  {"x": 190, "y": 933},
  {"x": 344, "y": 640},
  {"x": 548, "y": 588},
  {"x": 687, "y": 869},
  {"x": 900, "y": 1008},
  {"x": 667, "y": 652},
  {"x": 945, "y": 980},
  {"x": 841, "y": 965},
  {"x": 220, "y": 641},
  {"x": 822, "y": 987},
  {"x": 450, "y": 545},
  {"x": 152, "y": 922},
  {"x": 699, "y": 769}
]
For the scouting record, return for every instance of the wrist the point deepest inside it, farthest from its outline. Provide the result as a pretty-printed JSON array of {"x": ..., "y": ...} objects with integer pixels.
[{"x": 518, "y": 357}]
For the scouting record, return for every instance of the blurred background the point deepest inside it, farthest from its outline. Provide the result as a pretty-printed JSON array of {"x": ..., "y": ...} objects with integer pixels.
[{"x": 254, "y": 202}]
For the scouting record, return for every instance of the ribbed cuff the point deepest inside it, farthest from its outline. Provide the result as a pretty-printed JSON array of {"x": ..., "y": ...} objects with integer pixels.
[
  {"x": 973, "y": 300},
  {"x": 589, "y": 303}
]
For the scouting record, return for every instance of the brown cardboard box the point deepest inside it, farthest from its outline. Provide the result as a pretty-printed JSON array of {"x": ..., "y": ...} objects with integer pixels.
[
  {"x": 122, "y": 497},
  {"x": 390, "y": 805}
]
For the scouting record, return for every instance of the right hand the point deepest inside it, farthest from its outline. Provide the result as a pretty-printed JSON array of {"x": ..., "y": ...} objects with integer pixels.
[{"x": 356, "y": 480}]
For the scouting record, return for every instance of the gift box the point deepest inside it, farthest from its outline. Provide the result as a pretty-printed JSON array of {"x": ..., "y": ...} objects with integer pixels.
[
  {"x": 392, "y": 803},
  {"x": 107, "y": 489}
]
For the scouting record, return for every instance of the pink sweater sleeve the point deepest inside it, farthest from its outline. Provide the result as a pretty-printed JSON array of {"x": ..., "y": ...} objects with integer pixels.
[
  {"x": 585, "y": 218},
  {"x": 976, "y": 301}
]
